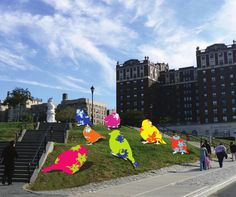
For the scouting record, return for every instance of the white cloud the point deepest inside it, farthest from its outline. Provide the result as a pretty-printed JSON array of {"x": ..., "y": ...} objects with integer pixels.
[
  {"x": 13, "y": 61},
  {"x": 30, "y": 82},
  {"x": 76, "y": 79}
]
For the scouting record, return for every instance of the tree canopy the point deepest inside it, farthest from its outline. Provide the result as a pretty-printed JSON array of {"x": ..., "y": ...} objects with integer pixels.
[{"x": 18, "y": 96}]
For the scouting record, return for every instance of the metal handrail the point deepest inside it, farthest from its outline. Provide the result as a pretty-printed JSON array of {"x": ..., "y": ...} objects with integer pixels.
[{"x": 44, "y": 141}]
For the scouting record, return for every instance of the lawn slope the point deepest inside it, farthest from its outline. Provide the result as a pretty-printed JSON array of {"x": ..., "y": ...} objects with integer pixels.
[{"x": 101, "y": 165}]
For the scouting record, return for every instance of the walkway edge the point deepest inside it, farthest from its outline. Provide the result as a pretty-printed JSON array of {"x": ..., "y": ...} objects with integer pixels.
[{"x": 212, "y": 189}]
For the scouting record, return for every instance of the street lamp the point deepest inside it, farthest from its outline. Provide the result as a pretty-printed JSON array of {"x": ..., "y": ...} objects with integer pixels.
[{"x": 92, "y": 90}]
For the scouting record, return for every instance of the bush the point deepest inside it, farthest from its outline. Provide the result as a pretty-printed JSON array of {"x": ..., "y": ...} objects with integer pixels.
[{"x": 132, "y": 118}]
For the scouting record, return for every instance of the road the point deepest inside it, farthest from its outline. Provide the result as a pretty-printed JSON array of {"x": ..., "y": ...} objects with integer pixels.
[{"x": 229, "y": 191}]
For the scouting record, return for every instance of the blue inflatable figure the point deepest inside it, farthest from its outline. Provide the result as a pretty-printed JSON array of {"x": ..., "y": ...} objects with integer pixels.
[{"x": 82, "y": 118}]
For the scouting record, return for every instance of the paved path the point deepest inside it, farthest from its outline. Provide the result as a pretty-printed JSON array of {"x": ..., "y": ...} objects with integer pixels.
[
  {"x": 16, "y": 190},
  {"x": 175, "y": 181}
]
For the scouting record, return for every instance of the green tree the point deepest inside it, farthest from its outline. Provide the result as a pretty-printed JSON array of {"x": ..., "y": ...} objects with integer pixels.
[
  {"x": 132, "y": 118},
  {"x": 66, "y": 114},
  {"x": 18, "y": 97},
  {"x": 27, "y": 117}
]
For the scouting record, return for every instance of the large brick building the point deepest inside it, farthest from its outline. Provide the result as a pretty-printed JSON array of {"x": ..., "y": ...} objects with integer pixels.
[
  {"x": 202, "y": 94},
  {"x": 134, "y": 81}
]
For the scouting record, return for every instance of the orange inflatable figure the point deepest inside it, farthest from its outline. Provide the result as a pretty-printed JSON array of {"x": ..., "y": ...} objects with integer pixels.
[{"x": 91, "y": 135}]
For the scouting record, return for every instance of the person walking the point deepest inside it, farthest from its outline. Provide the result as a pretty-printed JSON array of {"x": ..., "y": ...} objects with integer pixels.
[
  {"x": 203, "y": 155},
  {"x": 233, "y": 150},
  {"x": 8, "y": 157},
  {"x": 220, "y": 151},
  {"x": 208, "y": 147}
]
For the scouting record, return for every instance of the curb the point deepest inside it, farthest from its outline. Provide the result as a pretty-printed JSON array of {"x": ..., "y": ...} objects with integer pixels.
[{"x": 211, "y": 190}]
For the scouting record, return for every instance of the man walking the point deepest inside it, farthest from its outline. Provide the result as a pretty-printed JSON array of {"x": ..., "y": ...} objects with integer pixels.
[
  {"x": 233, "y": 150},
  {"x": 8, "y": 158},
  {"x": 220, "y": 151}
]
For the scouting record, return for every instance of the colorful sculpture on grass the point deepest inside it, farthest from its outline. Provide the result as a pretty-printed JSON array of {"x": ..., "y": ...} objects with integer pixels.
[
  {"x": 120, "y": 147},
  {"x": 178, "y": 145},
  {"x": 91, "y": 135},
  {"x": 150, "y": 133},
  {"x": 112, "y": 120},
  {"x": 82, "y": 118},
  {"x": 69, "y": 161}
]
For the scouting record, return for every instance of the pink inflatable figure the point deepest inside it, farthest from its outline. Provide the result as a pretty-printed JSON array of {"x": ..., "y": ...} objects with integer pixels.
[
  {"x": 69, "y": 161},
  {"x": 112, "y": 120}
]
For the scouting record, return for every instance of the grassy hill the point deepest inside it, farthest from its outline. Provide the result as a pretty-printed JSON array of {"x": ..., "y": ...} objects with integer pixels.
[
  {"x": 8, "y": 130},
  {"x": 101, "y": 165}
]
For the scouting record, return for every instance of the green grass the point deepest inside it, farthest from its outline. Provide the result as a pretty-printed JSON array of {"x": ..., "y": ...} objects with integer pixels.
[
  {"x": 8, "y": 130},
  {"x": 101, "y": 165}
]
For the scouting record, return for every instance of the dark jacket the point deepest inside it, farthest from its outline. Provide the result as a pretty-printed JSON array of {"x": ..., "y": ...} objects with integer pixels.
[
  {"x": 208, "y": 147},
  {"x": 233, "y": 148},
  {"x": 9, "y": 155}
]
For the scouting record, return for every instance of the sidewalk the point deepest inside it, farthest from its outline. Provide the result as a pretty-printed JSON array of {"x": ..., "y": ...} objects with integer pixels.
[{"x": 175, "y": 181}]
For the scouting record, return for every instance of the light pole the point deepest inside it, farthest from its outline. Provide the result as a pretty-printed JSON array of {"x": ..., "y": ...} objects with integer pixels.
[{"x": 92, "y": 90}]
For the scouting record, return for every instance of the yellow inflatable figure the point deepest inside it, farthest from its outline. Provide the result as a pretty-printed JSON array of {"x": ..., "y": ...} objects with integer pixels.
[{"x": 150, "y": 133}]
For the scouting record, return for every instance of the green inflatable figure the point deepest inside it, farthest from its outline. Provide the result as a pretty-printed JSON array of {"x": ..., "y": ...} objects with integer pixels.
[{"x": 120, "y": 147}]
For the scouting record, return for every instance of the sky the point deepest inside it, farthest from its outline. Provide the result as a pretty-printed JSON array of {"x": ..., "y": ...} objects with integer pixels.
[{"x": 53, "y": 47}]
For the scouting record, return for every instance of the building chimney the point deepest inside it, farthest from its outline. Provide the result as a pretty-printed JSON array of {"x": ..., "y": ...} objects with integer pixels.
[{"x": 64, "y": 97}]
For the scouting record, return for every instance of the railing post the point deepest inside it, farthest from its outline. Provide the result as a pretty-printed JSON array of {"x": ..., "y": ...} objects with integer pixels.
[
  {"x": 16, "y": 137},
  {"x": 45, "y": 143},
  {"x": 51, "y": 131},
  {"x": 29, "y": 172},
  {"x": 38, "y": 160}
]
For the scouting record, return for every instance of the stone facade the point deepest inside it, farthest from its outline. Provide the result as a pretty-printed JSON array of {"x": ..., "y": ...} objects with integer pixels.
[{"x": 99, "y": 109}]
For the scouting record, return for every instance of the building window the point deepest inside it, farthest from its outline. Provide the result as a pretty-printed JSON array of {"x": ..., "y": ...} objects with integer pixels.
[
  {"x": 142, "y": 102},
  {"x": 232, "y": 83},
  {"x": 204, "y": 79},
  {"x": 128, "y": 96},
  {"x": 232, "y": 92},
  {"x": 215, "y": 111},
  {"x": 233, "y": 109},
  {"x": 224, "y": 110},
  {"x": 214, "y": 94},
  {"x": 213, "y": 79},
  {"x": 233, "y": 101},
  {"x": 223, "y": 102},
  {"x": 205, "y": 95},
  {"x": 231, "y": 76},
  {"x": 206, "y": 120},
  {"x": 222, "y": 93},
  {"x": 214, "y": 102},
  {"x": 225, "y": 118},
  {"x": 204, "y": 72},
  {"x": 215, "y": 119},
  {"x": 234, "y": 117},
  {"x": 222, "y": 77},
  {"x": 212, "y": 70},
  {"x": 206, "y": 111}
]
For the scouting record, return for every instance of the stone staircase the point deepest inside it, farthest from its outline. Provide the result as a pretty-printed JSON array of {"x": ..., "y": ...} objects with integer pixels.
[
  {"x": 31, "y": 148},
  {"x": 57, "y": 131},
  {"x": 26, "y": 151}
]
